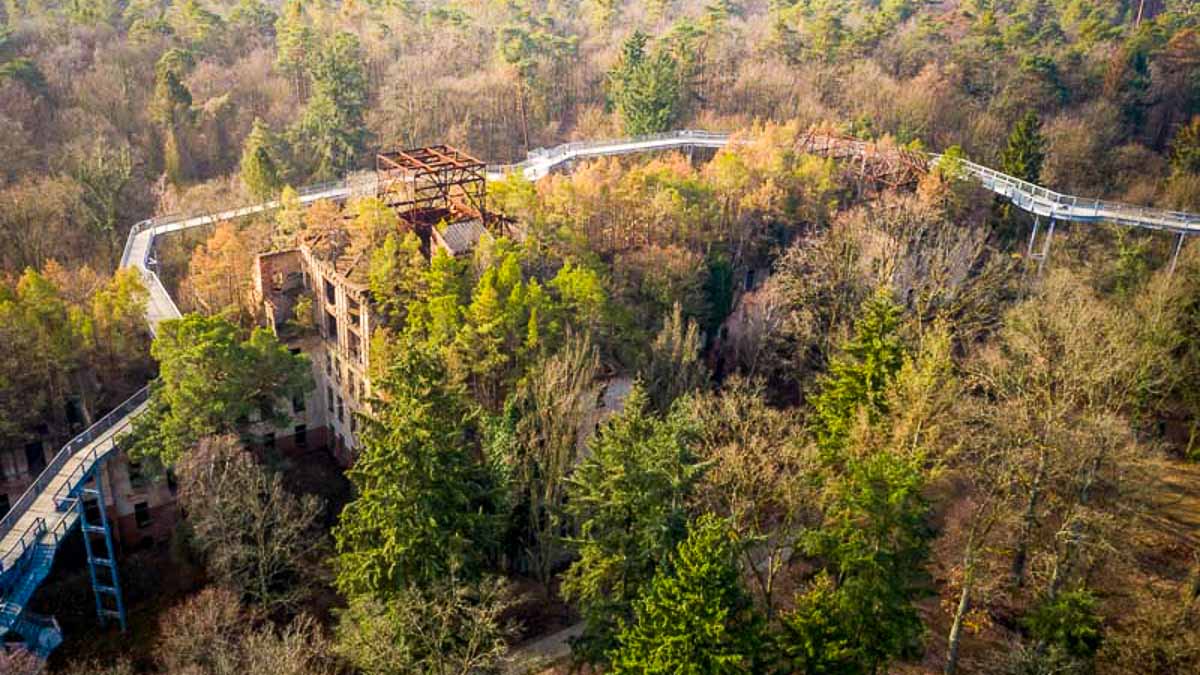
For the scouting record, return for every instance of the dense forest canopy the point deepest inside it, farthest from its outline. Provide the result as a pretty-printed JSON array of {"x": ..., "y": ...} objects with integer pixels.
[
  {"x": 113, "y": 111},
  {"x": 857, "y": 429}
]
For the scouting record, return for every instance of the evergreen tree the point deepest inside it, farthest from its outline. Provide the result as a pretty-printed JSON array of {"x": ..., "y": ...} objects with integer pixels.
[
  {"x": 874, "y": 542},
  {"x": 332, "y": 130},
  {"x": 425, "y": 503},
  {"x": 628, "y": 498},
  {"x": 1068, "y": 622},
  {"x": 858, "y": 614},
  {"x": 260, "y": 174},
  {"x": 172, "y": 99},
  {"x": 644, "y": 87},
  {"x": 397, "y": 276},
  {"x": 1026, "y": 149},
  {"x": 582, "y": 293},
  {"x": 480, "y": 344},
  {"x": 859, "y": 374},
  {"x": 295, "y": 42},
  {"x": 695, "y": 617},
  {"x": 814, "y": 637},
  {"x": 171, "y": 108}
]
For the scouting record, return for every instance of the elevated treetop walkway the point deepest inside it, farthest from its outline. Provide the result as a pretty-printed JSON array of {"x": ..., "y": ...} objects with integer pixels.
[{"x": 34, "y": 527}]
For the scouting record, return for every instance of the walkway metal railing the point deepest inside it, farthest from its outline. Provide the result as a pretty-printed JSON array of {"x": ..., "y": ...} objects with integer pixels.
[
  {"x": 549, "y": 157},
  {"x": 63, "y": 494},
  {"x": 33, "y": 533},
  {"x": 1028, "y": 196},
  {"x": 116, "y": 420}
]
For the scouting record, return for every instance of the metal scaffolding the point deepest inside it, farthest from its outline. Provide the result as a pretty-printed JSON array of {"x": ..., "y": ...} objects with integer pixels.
[{"x": 431, "y": 180}]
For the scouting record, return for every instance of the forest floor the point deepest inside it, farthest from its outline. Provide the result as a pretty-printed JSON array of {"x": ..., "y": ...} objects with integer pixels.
[{"x": 544, "y": 654}]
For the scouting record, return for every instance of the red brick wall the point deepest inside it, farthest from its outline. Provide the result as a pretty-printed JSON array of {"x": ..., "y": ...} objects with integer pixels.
[{"x": 162, "y": 522}]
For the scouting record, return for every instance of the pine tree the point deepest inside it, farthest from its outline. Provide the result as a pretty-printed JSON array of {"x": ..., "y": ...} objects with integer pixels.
[
  {"x": 332, "y": 130},
  {"x": 695, "y": 617},
  {"x": 644, "y": 87},
  {"x": 260, "y": 174},
  {"x": 425, "y": 504},
  {"x": 295, "y": 42},
  {"x": 859, "y": 375},
  {"x": 1026, "y": 149},
  {"x": 628, "y": 498}
]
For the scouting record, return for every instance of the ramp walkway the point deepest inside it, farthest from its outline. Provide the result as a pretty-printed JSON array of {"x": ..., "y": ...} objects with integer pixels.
[{"x": 33, "y": 529}]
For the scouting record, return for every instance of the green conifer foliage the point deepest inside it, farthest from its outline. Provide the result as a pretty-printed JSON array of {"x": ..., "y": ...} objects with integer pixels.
[
  {"x": 629, "y": 498},
  {"x": 644, "y": 87},
  {"x": 1026, "y": 149},
  {"x": 695, "y": 617},
  {"x": 858, "y": 376},
  {"x": 424, "y": 502},
  {"x": 260, "y": 173}
]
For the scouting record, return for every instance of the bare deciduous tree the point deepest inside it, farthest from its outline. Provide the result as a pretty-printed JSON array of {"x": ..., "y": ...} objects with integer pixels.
[
  {"x": 260, "y": 540},
  {"x": 212, "y": 634},
  {"x": 452, "y": 628},
  {"x": 556, "y": 402},
  {"x": 758, "y": 477}
]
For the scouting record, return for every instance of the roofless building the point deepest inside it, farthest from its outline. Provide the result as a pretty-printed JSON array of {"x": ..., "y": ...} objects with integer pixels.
[{"x": 317, "y": 296}]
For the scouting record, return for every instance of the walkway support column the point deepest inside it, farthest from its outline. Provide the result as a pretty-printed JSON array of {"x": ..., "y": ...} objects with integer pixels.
[
  {"x": 102, "y": 564},
  {"x": 1046, "y": 249},
  {"x": 1175, "y": 256}
]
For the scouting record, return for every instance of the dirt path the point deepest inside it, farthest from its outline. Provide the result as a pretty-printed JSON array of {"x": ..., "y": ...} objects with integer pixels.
[{"x": 543, "y": 653}]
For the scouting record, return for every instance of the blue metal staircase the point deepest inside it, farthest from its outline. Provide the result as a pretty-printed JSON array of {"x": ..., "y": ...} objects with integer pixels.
[{"x": 40, "y": 636}]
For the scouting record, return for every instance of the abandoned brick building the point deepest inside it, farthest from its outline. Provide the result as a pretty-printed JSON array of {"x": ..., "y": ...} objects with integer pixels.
[{"x": 316, "y": 296}]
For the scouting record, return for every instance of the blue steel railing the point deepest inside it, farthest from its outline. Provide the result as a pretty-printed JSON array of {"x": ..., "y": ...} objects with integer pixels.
[{"x": 33, "y": 533}]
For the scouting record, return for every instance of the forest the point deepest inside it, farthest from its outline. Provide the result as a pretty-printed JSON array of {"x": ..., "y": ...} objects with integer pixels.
[{"x": 860, "y": 430}]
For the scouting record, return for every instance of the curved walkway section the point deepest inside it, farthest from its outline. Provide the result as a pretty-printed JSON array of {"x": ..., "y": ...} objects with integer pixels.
[{"x": 31, "y": 531}]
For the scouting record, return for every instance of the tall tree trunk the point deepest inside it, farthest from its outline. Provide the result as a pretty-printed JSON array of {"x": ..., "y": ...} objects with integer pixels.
[
  {"x": 1064, "y": 565},
  {"x": 524, "y": 114},
  {"x": 1020, "y": 558},
  {"x": 1195, "y": 580},
  {"x": 960, "y": 614}
]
